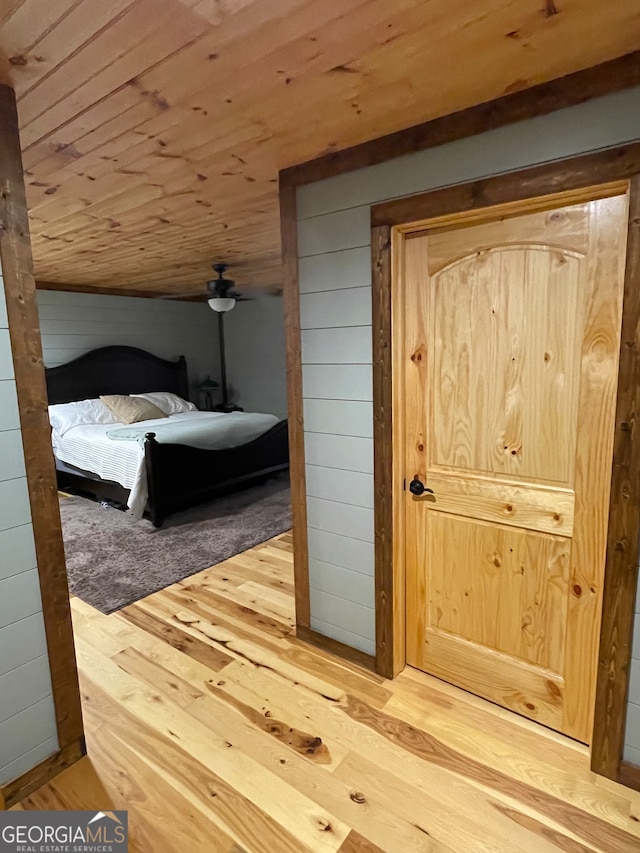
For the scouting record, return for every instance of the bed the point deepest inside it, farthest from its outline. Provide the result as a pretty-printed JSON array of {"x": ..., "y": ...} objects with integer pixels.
[{"x": 176, "y": 476}]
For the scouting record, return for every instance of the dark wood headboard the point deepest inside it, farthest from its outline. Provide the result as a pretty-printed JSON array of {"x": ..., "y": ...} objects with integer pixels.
[{"x": 115, "y": 370}]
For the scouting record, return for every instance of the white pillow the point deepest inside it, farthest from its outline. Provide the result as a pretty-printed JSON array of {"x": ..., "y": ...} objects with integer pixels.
[
  {"x": 167, "y": 402},
  {"x": 65, "y": 416}
]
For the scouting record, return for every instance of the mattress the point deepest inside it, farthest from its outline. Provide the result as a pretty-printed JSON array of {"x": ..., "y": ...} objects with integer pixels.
[{"x": 89, "y": 447}]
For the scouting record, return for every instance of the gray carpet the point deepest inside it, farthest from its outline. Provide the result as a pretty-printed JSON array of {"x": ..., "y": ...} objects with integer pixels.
[{"x": 113, "y": 560}]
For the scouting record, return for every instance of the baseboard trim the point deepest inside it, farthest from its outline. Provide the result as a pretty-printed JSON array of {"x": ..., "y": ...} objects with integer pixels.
[
  {"x": 335, "y": 647},
  {"x": 14, "y": 792}
]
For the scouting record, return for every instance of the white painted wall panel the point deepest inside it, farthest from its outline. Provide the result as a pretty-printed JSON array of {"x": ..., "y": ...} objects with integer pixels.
[
  {"x": 328, "y": 310},
  {"x": 4, "y": 322},
  {"x": 347, "y": 268},
  {"x": 348, "y": 345},
  {"x": 24, "y": 686},
  {"x": 17, "y": 550},
  {"x": 634, "y": 683},
  {"x": 343, "y": 636},
  {"x": 345, "y": 583},
  {"x": 343, "y": 519},
  {"x": 11, "y": 455},
  {"x": 349, "y": 487},
  {"x": 24, "y": 732},
  {"x": 14, "y": 503},
  {"x": 339, "y": 417},
  {"x": 337, "y": 382},
  {"x": 9, "y": 416},
  {"x": 333, "y": 247},
  {"x": 6, "y": 359},
  {"x": 338, "y": 611},
  {"x": 19, "y": 597},
  {"x": 256, "y": 355},
  {"x": 29, "y": 760},
  {"x": 332, "y": 232},
  {"x": 339, "y": 451},
  {"x": 74, "y": 323},
  {"x": 22, "y": 642},
  {"x": 344, "y": 551},
  {"x": 632, "y": 755},
  {"x": 632, "y": 733}
]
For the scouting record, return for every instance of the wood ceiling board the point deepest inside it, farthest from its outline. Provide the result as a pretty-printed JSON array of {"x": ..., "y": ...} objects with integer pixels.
[{"x": 123, "y": 104}]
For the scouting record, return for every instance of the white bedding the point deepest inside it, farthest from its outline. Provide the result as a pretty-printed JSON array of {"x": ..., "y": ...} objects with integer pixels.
[{"x": 88, "y": 447}]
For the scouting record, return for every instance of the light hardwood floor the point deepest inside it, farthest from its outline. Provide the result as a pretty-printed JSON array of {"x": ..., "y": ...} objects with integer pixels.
[{"x": 220, "y": 732}]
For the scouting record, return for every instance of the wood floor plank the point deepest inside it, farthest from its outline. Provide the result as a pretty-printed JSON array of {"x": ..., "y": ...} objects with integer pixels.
[
  {"x": 184, "y": 694},
  {"x": 269, "y": 572},
  {"x": 201, "y": 742},
  {"x": 547, "y": 769},
  {"x": 177, "y": 638},
  {"x": 328, "y": 791},
  {"x": 222, "y": 732},
  {"x": 172, "y": 601},
  {"x": 220, "y": 604},
  {"x": 356, "y": 843},
  {"x": 146, "y": 793},
  {"x": 444, "y": 791},
  {"x": 214, "y": 806},
  {"x": 81, "y": 787},
  {"x": 485, "y": 826},
  {"x": 589, "y": 827}
]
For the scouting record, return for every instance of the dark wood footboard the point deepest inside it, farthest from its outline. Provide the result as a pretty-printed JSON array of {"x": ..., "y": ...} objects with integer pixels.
[{"x": 179, "y": 476}]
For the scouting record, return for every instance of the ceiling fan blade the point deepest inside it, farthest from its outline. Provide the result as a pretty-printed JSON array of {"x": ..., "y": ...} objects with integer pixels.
[{"x": 190, "y": 296}]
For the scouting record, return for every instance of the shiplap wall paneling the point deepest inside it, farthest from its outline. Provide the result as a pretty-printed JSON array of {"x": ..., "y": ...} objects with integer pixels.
[
  {"x": 327, "y": 483},
  {"x": 256, "y": 355},
  {"x": 28, "y": 731},
  {"x": 632, "y": 730},
  {"x": 336, "y": 308},
  {"x": 74, "y": 323},
  {"x": 353, "y": 342},
  {"x": 335, "y": 302},
  {"x": 341, "y": 551},
  {"x": 332, "y": 417},
  {"x": 335, "y": 312}
]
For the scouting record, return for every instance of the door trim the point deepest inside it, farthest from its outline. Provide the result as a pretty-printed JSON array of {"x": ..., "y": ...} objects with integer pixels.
[{"x": 621, "y": 572}]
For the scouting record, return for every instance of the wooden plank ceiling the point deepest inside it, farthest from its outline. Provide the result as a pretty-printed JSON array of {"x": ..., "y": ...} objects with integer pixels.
[{"x": 153, "y": 130}]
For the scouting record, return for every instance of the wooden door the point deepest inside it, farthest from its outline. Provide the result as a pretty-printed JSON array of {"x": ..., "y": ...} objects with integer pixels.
[{"x": 511, "y": 354}]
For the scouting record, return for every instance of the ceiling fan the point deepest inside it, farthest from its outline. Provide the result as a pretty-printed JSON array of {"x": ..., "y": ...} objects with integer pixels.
[
  {"x": 222, "y": 293},
  {"x": 222, "y": 298}
]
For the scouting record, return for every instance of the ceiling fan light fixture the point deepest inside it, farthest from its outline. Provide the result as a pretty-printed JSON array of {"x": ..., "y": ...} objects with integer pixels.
[{"x": 221, "y": 304}]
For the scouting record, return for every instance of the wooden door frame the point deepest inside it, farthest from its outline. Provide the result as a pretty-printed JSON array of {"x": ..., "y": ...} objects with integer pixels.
[
  {"x": 591, "y": 170},
  {"x": 24, "y": 332}
]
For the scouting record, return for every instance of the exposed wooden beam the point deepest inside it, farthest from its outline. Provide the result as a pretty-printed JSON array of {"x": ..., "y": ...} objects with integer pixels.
[
  {"x": 24, "y": 331},
  {"x": 106, "y": 291},
  {"x": 289, "y": 225}
]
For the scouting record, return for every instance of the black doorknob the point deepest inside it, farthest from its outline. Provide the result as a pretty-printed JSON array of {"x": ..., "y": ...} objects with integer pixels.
[{"x": 417, "y": 487}]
